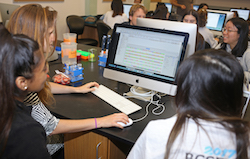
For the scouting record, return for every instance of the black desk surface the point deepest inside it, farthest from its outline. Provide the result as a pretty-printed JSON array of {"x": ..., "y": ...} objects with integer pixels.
[{"x": 81, "y": 106}]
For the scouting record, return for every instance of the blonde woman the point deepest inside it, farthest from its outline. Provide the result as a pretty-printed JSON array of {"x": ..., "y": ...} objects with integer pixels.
[{"x": 39, "y": 23}]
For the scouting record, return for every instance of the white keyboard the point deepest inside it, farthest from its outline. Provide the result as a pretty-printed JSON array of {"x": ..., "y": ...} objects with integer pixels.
[{"x": 116, "y": 100}]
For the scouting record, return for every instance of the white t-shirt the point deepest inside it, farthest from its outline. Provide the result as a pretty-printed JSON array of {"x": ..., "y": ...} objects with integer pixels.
[
  {"x": 152, "y": 142},
  {"x": 208, "y": 36},
  {"x": 108, "y": 19}
]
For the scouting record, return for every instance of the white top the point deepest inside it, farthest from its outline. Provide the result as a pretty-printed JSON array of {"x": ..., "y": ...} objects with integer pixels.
[
  {"x": 108, "y": 19},
  {"x": 244, "y": 60},
  {"x": 152, "y": 142},
  {"x": 208, "y": 36}
]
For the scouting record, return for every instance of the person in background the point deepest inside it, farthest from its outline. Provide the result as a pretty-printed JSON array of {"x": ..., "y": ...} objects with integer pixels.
[
  {"x": 136, "y": 11},
  {"x": 183, "y": 6},
  {"x": 204, "y": 31},
  {"x": 43, "y": 30},
  {"x": 161, "y": 12},
  {"x": 192, "y": 17},
  {"x": 1, "y": 19},
  {"x": 235, "y": 41},
  {"x": 235, "y": 14},
  {"x": 137, "y": 1},
  {"x": 248, "y": 22},
  {"x": 203, "y": 6},
  {"x": 116, "y": 15},
  {"x": 23, "y": 69},
  {"x": 208, "y": 104}
]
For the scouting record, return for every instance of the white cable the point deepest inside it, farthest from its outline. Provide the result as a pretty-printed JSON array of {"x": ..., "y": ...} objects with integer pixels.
[
  {"x": 147, "y": 94},
  {"x": 147, "y": 107}
]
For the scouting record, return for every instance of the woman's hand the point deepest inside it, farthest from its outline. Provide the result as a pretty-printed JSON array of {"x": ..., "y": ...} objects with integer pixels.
[
  {"x": 111, "y": 120},
  {"x": 87, "y": 87}
]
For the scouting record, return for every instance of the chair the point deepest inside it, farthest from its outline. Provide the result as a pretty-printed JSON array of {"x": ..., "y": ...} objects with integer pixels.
[
  {"x": 102, "y": 29},
  {"x": 76, "y": 25}
]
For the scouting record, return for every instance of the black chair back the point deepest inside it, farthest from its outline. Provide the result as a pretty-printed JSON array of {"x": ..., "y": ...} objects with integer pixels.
[
  {"x": 102, "y": 29},
  {"x": 75, "y": 24}
]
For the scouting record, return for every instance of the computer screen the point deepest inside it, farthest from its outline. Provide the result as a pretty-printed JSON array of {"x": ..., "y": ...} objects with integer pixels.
[
  {"x": 126, "y": 8},
  {"x": 229, "y": 14},
  {"x": 215, "y": 21},
  {"x": 195, "y": 7},
  {"x": 145, "y": 57},
  {"x": 6, "y": 11},
  {"x": 189, "y": 28},
  {"x": 169, "y": 5},
  {"x": 242, "y": 13}
]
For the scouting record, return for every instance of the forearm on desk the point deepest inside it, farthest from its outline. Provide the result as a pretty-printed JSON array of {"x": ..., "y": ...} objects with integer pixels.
[
  {"x": 70, "y": 126},
  {"x": 61, "y": 89}
]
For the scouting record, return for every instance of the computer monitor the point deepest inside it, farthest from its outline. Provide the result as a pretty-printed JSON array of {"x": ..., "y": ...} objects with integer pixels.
[
  {"x": 189, "y": 28},
  {"x": 145, "y": 57},
  {"x": 215, "y": 21},
  {"x": 243, "y": 13},
  {"x": 7, "y": 10},
  {"x": 169, "y": 6},
  {"x": 230, "y": 15},
  {"x": 195, "y": 7},
  {"x": 126, "y": 9}
]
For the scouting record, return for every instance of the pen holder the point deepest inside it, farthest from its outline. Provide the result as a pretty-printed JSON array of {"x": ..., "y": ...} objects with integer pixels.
[{"x": 102, "y": 61}]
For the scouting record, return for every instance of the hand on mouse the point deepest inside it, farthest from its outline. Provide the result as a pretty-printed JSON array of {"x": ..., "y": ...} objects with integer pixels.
[
  {"x": 87, "y": 87},
  {"x": 111, "y": 120}
]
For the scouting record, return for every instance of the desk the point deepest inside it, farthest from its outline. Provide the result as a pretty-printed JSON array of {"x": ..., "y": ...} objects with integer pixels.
[{"x": 81, "y": 106}]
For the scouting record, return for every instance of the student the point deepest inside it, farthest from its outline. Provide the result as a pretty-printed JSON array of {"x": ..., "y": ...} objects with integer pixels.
[
  {"x": 43, "y": 31},
  {"x": 204, "y": 31},
  {"x": 136, "y": 11},
  {"x": 208, "y": 104},
  {"x": 23, "y": 69},
  {"x": 161, "y": 12},
  {"x": 203, "y": 6},
  {"x": 183, "y": 6},
  {"x": 236, "y": 15},
  {"x": 116, "y": 15},
  {"x": 248, "y": 22},
  {"x": 192, "y": 17},
  {"x": 137, "y": 1},
  {"x": 235, "y": 41}
]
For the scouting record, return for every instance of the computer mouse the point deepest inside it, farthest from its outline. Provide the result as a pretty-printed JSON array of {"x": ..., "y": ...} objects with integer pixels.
[{"x": 125, "y": 125}]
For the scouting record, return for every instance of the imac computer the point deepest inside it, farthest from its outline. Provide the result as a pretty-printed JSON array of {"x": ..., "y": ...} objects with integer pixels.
[
  {"x": 169, "y": 6},
  {"x": 243, "y": 13},
  {"x": 145, "y": 57},
  {"x": 215, "y": 22},
  {"x": 229, "y": 15},
  {"x": 189, "y": 28},
  {"x": 6, "y": 11},
  {"x": 126, "y": 9}
]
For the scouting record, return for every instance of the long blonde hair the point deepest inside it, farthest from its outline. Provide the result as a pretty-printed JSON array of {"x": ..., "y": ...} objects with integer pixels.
[{"x": 34, "y": 21}]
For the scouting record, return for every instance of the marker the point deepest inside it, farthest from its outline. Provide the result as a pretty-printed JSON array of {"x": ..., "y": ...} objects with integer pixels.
[
  {"x": 103, "y": 45},
  {"x": 107, "y": 46}
]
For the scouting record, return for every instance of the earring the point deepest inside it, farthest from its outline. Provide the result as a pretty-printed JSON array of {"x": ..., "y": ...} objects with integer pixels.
[{"x": 25, "y": 87}]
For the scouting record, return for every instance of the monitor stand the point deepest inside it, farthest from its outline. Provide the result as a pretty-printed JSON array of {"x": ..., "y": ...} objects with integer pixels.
[{"x": 140, "y": 93}]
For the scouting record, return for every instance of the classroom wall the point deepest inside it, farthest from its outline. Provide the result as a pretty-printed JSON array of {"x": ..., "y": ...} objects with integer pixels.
[
  {"x": 86, "y": 7},
  {"x": 224, "y": 3},
  {"x": 65, "y": 8}
]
